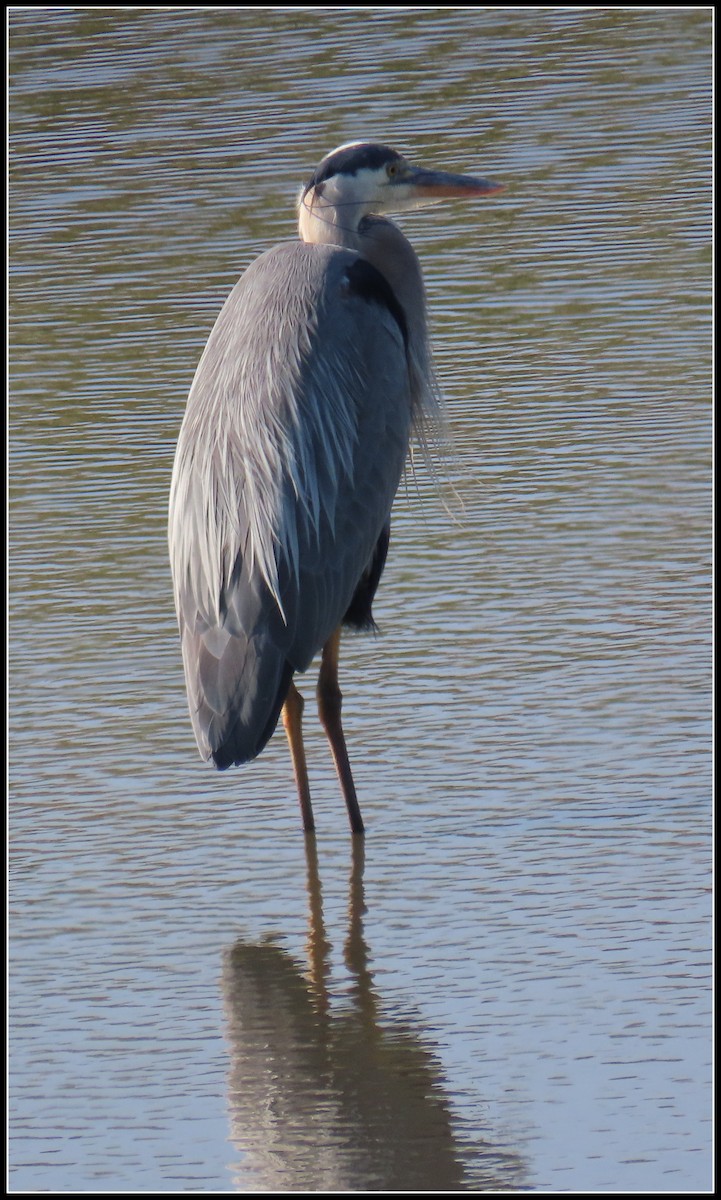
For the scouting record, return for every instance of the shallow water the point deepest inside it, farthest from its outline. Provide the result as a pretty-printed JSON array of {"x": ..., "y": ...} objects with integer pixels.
[{"x": 510, "y": 987}]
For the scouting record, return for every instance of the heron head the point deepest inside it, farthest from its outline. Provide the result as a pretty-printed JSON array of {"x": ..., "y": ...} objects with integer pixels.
[{"x": 365, "y": 177}]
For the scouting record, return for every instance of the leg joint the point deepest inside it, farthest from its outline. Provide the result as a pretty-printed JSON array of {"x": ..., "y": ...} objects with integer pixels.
[{"x": 293, "y": 706}]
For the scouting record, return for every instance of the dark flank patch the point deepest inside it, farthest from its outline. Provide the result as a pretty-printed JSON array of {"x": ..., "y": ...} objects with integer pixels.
[
  {"x": 359, "y": 614},
  {"x": 366, "y": 156},
  {"x": 366, "y": 282}
]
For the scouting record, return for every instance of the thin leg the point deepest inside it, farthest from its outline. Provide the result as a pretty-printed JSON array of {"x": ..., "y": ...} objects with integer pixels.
[
  {"x": 292, "y": 723},
  {"x": 330, "y": 702}
]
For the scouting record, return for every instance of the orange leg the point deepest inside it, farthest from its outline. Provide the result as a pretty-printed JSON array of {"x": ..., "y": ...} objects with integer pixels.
[
  {"x": 292, "y": 723},
  {"x": 330, "y": 701}
]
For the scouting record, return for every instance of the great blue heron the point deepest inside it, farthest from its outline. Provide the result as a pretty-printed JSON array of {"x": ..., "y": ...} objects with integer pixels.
[{"x": 293, "y": 445}]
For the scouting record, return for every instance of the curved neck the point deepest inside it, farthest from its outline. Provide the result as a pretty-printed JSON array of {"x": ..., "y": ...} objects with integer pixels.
[
  {"x": 377, "y": 240},
  {"x": 382, "y": 244}
]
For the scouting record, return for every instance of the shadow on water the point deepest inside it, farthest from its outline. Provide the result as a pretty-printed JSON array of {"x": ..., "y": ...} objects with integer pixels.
[{"x": 322, "y": 1095}]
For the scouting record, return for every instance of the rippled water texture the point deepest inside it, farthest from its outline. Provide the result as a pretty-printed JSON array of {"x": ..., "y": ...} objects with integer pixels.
[{"x": 509, "y": 987}]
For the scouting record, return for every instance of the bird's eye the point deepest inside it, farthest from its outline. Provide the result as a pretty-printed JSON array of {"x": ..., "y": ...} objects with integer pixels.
[{"x": 392, "y": 170}]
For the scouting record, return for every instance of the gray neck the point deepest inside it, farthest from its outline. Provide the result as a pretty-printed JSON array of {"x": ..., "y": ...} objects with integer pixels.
[{"x": 383, "y": 245}]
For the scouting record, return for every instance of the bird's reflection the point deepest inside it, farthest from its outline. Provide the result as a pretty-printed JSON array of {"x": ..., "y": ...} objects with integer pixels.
[{"x": 325, "y": 1100}]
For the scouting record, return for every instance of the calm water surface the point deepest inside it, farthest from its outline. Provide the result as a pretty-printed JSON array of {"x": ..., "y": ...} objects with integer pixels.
[{"x": 509, "y": 988}]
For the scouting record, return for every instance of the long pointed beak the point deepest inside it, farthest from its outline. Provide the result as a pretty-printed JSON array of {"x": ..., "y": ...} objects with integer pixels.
[{"x": 440, "y": 185}]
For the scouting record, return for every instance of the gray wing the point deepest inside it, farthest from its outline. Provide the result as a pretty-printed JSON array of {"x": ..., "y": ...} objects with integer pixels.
[{"x": 288, "y": 460}]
